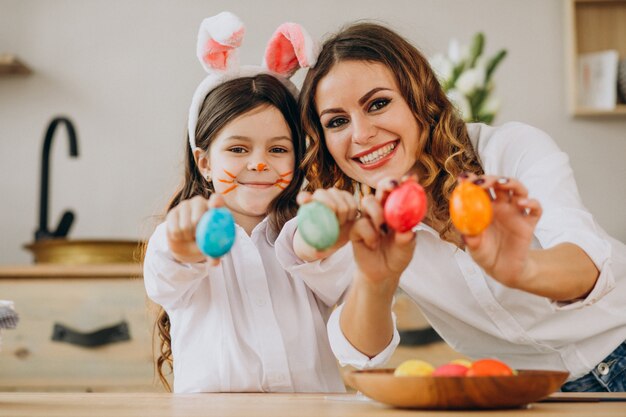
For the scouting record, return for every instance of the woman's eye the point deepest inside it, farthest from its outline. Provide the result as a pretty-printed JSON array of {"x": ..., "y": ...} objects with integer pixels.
[
  {"x": 336, "y": 122},
  {"x": 237, "y": 149},
  {"x": 379, "y": 104}
]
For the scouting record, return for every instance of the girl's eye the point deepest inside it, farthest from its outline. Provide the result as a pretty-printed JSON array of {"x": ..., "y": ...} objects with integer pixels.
[
  {"x": 278, "y": 150},
  {"x": 379, "y": 104},
  {"x": 238, "y": 149},
  {"x": 336, "y": 122}
]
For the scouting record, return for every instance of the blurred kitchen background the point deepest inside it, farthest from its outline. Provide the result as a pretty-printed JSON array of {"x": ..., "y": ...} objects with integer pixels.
[{"x": 124, "y": 71}]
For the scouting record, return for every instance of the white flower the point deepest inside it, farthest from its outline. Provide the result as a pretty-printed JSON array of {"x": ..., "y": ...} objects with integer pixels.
[
  {"x": 454, "y": 51},
  {"x": 461, "y": 103},
  {"x": 470, "y": 80},
  {"x": 442, "y": 66},
  {"x": 491, "y": 105}
]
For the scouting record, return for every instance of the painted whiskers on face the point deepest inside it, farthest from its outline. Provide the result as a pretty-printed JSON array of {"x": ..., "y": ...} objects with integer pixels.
[
  {"x": 230, "y": 181},
  {"x": 281, "y": 182}
]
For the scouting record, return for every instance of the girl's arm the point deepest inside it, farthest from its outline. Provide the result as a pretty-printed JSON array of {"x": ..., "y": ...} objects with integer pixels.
[
  {"x": 563, "y": 272},
  {"x": 345, "y": 208}
]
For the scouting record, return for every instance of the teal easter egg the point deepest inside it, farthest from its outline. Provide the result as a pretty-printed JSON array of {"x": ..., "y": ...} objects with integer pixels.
[
  {"x": 215, "y": 233},
  {"x": 318, "y": 225}
]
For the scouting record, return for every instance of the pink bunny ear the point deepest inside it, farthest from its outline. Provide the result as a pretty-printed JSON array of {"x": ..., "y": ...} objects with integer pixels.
[
  {"x": 218, "y": 39},
  {"x": 289, "y": 48}
]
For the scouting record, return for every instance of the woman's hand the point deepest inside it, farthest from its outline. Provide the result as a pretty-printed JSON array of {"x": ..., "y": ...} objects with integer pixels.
[
  {"x": 182, "y": 221},
  {"x": 502, "y": 250},
  {"x": 343, "y": 204},
  {"x": 381, "y": 253}
]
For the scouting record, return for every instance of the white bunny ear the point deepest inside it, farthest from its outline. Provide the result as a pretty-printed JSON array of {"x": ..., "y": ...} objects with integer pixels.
[
  {"x": 290, "y": 48},
  {"x": 218, "y": 39}
]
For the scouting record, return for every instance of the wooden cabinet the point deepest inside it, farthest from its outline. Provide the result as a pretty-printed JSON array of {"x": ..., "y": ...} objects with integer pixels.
[
  {"x": 592, "y": 26},
  {"x": 85, "y": 299}
]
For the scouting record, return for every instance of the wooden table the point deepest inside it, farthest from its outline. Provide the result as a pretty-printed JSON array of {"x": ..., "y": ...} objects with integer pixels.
[{"x": 274, "y": 405}]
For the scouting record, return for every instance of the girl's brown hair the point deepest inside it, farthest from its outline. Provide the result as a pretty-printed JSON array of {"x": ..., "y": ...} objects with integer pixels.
[
  {"x": 220, "y": 107},
  {"x": 444, "y": 149}
]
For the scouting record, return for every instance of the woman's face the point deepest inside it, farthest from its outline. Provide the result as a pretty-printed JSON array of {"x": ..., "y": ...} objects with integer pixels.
[
  {"x": 251, "y": 161},
  {"x": 369, "y": 128}
]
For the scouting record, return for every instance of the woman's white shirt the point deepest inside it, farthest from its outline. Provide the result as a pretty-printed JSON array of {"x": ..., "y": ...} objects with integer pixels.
[
  {"x": 480, "y": 317},
  {"x": 243, "y": 326}
]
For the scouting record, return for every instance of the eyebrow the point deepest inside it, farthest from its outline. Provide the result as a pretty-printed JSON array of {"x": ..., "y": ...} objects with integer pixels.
[
  {"x": 362, "y": 100},
  {"x": 248, "y": 139}
]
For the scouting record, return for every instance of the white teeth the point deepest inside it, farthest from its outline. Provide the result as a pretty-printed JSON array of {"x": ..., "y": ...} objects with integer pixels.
[{"x": 377, "y": 154}]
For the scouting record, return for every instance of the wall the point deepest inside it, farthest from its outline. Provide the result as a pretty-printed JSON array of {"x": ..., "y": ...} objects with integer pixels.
[{"x": 124, "y": 72}]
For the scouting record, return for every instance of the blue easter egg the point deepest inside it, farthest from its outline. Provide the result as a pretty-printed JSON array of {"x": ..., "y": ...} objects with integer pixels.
[{"x": 215, "y": 233}]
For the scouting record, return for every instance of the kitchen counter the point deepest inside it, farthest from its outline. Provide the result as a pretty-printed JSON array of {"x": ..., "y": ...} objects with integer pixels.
[
  {"x": 71, "y": 271},
  {"x": 274, "y": 405}
]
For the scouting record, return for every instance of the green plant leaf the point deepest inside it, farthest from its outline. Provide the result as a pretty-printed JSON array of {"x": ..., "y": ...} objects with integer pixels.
[
  {"x": 476, "y": 49},
  {"x": 493, "y": 63}
]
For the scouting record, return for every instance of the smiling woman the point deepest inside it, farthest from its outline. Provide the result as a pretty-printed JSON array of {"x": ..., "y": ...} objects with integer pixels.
[{"x": 518, "y": 289}]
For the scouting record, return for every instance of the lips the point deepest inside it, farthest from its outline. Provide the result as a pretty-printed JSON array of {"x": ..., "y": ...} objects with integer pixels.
[{"x": 377, "y": 155}]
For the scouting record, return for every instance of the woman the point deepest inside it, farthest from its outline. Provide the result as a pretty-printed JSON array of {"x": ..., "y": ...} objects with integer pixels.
[{"x": 542, "y": 287}]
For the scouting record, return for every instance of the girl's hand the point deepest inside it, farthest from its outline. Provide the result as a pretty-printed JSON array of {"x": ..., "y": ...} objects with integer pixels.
[
  {"x": 503, "y": 249},
  {"x": 182, "y": 221},
  {"x": 343, "y": 204},
  {"x": 380, "y": 253}
]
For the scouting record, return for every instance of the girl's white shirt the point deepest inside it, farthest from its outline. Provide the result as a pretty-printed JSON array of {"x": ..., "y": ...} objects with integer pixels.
[
  {"x": 245, "y": 325},
  {"x": 475, "y": 314}
]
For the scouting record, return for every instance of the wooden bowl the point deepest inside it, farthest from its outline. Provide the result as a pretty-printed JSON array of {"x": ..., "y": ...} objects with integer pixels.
[{"x": 447, "y": 393}]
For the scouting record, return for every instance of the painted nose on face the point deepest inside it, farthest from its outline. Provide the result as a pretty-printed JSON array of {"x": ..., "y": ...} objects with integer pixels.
[
  {"x": 258, "y": 167},
  {"x": 363, "y": 130}
]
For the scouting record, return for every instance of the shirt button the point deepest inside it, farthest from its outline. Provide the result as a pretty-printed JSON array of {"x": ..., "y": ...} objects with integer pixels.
[
  {"x": 260, "y": 302},
  {"x": 603, "y": 368}
]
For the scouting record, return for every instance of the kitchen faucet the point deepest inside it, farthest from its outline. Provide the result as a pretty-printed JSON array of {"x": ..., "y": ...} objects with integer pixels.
[{"x": 68, "y": 217}]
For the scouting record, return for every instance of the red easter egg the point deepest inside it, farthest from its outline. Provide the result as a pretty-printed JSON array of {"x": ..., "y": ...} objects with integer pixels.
[
  {"x": 489, "y": 367},
  {"x": 405, "y": 206},
  {"x": 470, "y": 208}
]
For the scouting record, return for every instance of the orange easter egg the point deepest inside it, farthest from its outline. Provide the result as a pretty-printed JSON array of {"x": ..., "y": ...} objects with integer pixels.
[
  {"x": 470, "y": 208},
  {"x": 489, "y": 367}
]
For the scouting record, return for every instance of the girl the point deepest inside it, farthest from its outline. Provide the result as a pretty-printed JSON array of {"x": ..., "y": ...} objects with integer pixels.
[
  {"x": 542, "y": 287},
  {"x": 240, "y": 323}
]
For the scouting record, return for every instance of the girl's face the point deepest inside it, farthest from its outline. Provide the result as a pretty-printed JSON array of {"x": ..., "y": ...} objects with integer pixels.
[
  {"x": 251, "y": 161},
  {"x": 369, "y": 128}
]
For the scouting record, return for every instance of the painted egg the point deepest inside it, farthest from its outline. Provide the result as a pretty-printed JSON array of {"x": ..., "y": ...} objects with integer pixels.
[
  {"x": 470, "y": 208},
  {"x": 318, "y": 225},
  {"x": 215, "y": 233},
  {"x": 489, "y": 367},
  {"x": 405, "y": 206},
  {"x": 414, "y": 367},
  {"x": 450, "y": 369}
]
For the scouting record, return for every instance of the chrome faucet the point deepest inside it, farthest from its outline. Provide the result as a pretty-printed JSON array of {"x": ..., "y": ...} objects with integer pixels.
[{"x": 68, "y": 217}]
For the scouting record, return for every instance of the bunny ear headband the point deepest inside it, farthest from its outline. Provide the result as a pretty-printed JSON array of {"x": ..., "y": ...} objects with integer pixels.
[{"x": 219, "y": 38}]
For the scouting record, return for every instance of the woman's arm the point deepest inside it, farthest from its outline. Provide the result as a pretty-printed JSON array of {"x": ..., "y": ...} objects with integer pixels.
[
  {"x": 563, "y": 272},
  {"x": 381, "y": 256}
]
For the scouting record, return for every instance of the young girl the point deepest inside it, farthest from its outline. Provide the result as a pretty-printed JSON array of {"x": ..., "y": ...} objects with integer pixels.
[
  {"x": 543, "y": 287},
  {"x": 240, "y": 323}
]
